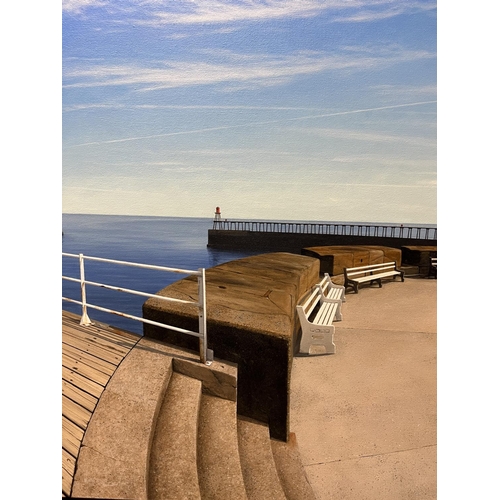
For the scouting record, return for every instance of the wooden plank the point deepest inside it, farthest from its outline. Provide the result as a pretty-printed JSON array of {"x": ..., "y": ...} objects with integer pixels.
[
  {"x": 68, "y": 471},
  {"x": 97, "y": 335},
  {"x": 85, "y": 357},
  {"x": 85, "y": 370},
  {"x": 82, "y": 382},
  {"x": 83, "y": 398},
  {"x": 72, "y": 429},
  {"x": 89, "y": 336},
  {"x": 76, "y": 413},
  {"x": 122, "y": 334},
  {"x": 89, "y": 347},
  {"x": 106, "y": 331},
  {"x": 72, "y": 437},
  {"x": 107, "y": 336}
]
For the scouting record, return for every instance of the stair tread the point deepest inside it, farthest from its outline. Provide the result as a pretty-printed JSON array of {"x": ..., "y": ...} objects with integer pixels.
[
  {"x": 257, "y": 461},
  {"x": 113, "y": 458},
  {"x": 172, "y": 469},
  {"x": 219, "y": 468},
  {"x": 290, "y": 470}
]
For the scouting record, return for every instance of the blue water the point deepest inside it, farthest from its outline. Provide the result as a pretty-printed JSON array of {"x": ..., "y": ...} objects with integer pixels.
[{"x": 163, "y": 241}]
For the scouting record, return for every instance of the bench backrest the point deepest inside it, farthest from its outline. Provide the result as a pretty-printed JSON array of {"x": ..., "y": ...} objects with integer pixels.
[
  {"x": 313, "y": 298},
  {"x": 372, "y": 268}
]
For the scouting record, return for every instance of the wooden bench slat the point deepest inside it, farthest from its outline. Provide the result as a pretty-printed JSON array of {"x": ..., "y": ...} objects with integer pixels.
[
  {"x": 372, "y": 266},
  {"x": 373, "y": 277}
]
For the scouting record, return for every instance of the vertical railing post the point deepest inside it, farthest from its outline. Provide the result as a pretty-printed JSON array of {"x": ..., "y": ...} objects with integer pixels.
[
  {"x": 84, "y": 320},
  {"x": 206, "y": 355}
]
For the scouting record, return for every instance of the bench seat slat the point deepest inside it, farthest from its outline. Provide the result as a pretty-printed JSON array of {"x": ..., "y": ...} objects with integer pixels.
[
  {"x": 373, "y": 277},
  {"x": 325, "y": 313}
]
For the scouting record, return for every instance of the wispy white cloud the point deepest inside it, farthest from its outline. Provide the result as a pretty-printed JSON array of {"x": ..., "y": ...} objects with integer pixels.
[
  {"x": 185, "y": 107},
  {"x": 371, "y": 137},
  {"x": 79, "y": 6},
  {"x": 158, "y": 13},
  {"x": 226, "y": 67}
]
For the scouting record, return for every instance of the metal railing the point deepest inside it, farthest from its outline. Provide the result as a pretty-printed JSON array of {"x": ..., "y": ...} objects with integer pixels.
[
  {"x": 206, "y": 355},
  {"x": 384, "y": 231}
]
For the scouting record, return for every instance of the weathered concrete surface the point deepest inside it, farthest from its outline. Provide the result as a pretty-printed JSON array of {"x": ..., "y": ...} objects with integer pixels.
[
  {"x": 365, "y": 418},
  {"x": 113, "y": 458},
  {"x": 333, "y": 258},
  {"x": 251, "y": 321}
]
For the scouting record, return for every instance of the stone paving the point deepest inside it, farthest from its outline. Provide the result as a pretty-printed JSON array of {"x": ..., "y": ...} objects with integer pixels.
[{"x": 365, "y": 417}]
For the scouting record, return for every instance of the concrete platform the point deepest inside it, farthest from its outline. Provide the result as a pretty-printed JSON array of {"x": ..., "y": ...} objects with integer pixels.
[{"x": 365, "y": 418}]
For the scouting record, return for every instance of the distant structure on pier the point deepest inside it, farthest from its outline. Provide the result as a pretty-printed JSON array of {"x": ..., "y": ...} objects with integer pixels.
[{"x": 217, "y": 218}]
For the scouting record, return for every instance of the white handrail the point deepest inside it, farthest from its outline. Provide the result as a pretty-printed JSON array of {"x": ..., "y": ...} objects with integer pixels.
[{"x": 206, "y": 355}]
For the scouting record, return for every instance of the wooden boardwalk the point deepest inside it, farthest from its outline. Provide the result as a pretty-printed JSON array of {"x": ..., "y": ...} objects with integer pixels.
[{"x": 90, "y": 356}]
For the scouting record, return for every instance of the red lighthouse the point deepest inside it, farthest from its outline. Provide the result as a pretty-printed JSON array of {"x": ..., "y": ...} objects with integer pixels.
[{"x": 217, "y": 218}]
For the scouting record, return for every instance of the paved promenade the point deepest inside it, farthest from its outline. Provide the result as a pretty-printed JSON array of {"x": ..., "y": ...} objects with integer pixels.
[{"x": 365, "y": 418}]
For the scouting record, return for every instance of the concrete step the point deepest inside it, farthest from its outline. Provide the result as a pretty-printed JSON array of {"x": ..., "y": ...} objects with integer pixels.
[
  {"x": 219, "y": 469},
  {"x": 290, "y": 470},
  {"x": 114, "y": 454},
  {"x": 257, "y": 461},
  {"x": 173, "y": 473}
]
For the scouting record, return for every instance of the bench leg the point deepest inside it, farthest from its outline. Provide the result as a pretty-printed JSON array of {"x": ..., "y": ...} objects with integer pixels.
[{"x": 313, "y": 337}]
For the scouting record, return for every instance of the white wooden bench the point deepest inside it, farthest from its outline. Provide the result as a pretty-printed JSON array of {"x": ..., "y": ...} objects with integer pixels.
[
  {"x": 354, "y": 276},
  {"x": 317, "y": 314}
]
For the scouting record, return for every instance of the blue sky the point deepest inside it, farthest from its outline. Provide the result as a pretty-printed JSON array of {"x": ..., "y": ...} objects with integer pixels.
[{"x": 304, "y": 110}]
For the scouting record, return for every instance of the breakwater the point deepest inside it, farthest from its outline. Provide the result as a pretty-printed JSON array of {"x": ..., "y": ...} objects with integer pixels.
[{"x": 294, "y": 236}]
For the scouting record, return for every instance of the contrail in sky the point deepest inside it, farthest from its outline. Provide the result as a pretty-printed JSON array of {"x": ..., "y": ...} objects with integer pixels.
[{"x": 211, "y": 129}]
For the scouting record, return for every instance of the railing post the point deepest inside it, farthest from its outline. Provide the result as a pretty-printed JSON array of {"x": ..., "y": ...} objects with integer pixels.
[
  {"x": 84, "y": 320},
  {"x": 206, "y": 355}
]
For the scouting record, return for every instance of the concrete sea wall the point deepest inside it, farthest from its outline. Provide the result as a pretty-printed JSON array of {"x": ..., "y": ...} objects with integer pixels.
[{"x": 294, "y": 242}]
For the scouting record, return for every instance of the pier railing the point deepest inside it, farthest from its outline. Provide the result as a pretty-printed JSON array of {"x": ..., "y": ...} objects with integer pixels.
[
  {"x": 384, "y": 231},
  {"x": 206, "y": 355}
]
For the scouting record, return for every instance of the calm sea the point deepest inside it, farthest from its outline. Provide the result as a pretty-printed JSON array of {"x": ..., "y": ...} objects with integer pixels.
[{"x": 163, "y": 241}]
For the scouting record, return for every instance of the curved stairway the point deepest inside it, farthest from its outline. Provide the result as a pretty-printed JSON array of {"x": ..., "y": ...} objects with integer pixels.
[{"x": 166, "y": 427}]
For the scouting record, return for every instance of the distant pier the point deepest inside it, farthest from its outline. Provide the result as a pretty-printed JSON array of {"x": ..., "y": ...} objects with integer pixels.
[{"x": 293, "y": 236}]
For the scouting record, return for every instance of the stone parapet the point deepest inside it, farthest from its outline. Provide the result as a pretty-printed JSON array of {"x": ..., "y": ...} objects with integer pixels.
[
  {"x": 251, "y": 321},
  {"x": 334, "y": 258}
]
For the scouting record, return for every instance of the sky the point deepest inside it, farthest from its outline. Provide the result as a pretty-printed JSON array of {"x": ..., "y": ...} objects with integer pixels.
[{"x": 282, "y": 110}]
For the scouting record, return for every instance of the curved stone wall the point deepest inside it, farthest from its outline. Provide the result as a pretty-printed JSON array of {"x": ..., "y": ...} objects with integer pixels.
[
  {"x": 251, "y": 321},
  {"x": 333, "y": 258}
]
